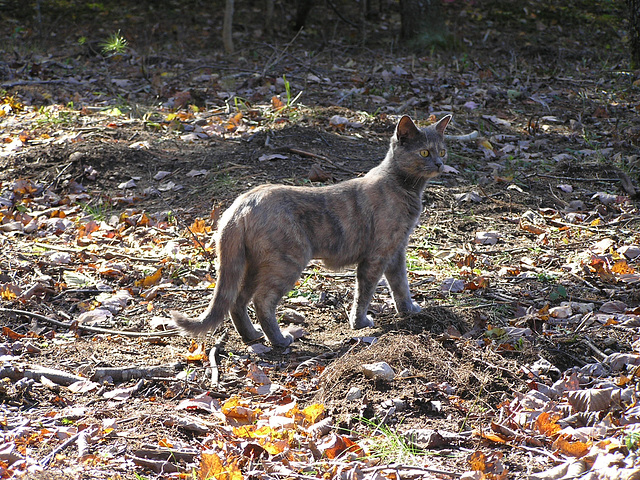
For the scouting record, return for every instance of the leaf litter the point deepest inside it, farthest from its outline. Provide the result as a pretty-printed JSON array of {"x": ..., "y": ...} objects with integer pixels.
[{"x": 523, "y": 362}]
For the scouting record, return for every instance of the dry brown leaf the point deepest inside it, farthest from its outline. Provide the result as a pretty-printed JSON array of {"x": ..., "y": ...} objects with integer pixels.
[{"x": 593, "y": 399}]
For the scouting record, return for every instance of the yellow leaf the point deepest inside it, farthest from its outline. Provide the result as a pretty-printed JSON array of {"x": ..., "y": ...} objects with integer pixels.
[
  {"x": 210, "y": 466},
  {"x": 150, "y": 280},
  {"x": 486, "y": 144},
  {"x": 313, "y": 413}
]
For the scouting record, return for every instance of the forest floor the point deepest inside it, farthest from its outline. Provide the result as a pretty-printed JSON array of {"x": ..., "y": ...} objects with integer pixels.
[{"x": 116, "y": 165}]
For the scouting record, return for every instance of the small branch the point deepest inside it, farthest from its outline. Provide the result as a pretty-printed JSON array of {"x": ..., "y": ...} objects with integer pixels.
[
  {"x": 124, "y": 374},
  {"x": 60, "y": 248},
  {"x": 463, "y": 138},
  {"x": 304, "y": 153},
  {"x": 70, "y": 441},
  {"x": 58, "y": 377},
  {"x": 87, "y": 328}
]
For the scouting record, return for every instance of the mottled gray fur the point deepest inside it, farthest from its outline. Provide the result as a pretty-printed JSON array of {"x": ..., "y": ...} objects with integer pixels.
[{"x": 269, "y": 234}]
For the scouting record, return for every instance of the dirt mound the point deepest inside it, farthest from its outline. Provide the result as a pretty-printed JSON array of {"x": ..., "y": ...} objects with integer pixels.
[{"x": 429, "y": 375}]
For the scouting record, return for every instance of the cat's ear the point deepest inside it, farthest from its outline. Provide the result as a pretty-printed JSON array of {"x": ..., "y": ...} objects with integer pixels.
[
  {"x": 442, "y": 124},
  {"x": 406, "y": 129}
]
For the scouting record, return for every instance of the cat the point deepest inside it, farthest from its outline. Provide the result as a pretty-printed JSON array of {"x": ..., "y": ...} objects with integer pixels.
[{"x": 270, "y": 233}]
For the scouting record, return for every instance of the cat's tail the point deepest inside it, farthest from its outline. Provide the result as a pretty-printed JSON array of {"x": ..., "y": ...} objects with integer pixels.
[{"x": 232, "y": 263}]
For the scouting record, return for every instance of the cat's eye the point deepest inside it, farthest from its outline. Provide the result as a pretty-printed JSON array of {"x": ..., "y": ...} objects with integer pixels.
[
  {"x": 424, "y": 153},
  {"x": 443, "y": 153}
]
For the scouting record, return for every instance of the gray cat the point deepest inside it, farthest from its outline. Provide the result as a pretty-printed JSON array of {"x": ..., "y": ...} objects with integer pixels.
[{"x": 270, "y": 233}]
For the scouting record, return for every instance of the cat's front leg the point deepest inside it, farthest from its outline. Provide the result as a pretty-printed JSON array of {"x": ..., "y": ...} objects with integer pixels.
[
  {"x": 368, "y": 275},
  {"x": 396, "y": 275}
]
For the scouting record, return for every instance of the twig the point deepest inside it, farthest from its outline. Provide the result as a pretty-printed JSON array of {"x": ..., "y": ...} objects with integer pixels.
[
  {"x": 20, "y": 83},
  {"x": 52, "y": 182},
  {"x": 58, "y": 377},
  {"x": 574, "y": 179},
  {"x": 592, "y": 287},
  {"x": 405, "y": 468},
  {"x": 124, "y": 374},
  {"x": 304, "y": 153},
  {"x": 87, "y": 328},
  {"x": 214, "y": 358},
  {"x": 71, "y": 440},
  {"x": 60, "y": 248},
  {"x": 269, "y": 64},
  {"x": 463, "y": 138},
  {"x": 497, "y": 367},
  {"x": 599, "y": 353}
]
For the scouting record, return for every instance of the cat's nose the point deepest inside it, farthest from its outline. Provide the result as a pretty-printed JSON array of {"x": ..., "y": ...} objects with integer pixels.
[{"x": 440, "y": 164}]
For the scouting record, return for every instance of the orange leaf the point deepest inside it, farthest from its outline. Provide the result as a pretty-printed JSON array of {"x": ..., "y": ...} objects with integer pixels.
[
  {"x": 531, "y": 228},
  {"x": 277, "y": 103},
  {"x": 23, "y": 187},
  {"x": 621, "y": 267},
  {"x": 163, "y": 442},
  {"x": 150, "y": 280},
  {"x": 336, "y": 445},
  {"x": 211, "y": 466},
  {"x": 7, "y": 332},
  {"x": 492, "y": 437},
  {"x": 233, "y": 408},
  {"x": 477, "y": 461},
  {"x": 199, "y": 226},
  {"x": 199, "y": 354},
  {"x": 546, "y": 424},
  {"x": 575, "y": 449}
]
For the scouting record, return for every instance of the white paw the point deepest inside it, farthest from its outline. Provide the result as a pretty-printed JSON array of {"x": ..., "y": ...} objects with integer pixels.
[
  {"x": 414, "y": 307},
  {"x": 361, "y": 322}
]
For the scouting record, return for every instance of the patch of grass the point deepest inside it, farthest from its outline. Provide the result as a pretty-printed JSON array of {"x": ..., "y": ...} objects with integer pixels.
[
  {"x": 54, "y": 115},
  {"x": 116, "y": 44},
  {"x": 99, "y": 212},
  {"x": 390, "y": 446},
  {"x": 632, "y": 441}
]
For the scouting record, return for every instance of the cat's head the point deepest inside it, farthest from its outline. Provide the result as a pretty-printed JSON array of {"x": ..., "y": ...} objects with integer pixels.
[{"x": 420, "y": 153}]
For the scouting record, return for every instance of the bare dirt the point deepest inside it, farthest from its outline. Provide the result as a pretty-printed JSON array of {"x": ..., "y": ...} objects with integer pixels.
[{"x": 544, "y": 84}]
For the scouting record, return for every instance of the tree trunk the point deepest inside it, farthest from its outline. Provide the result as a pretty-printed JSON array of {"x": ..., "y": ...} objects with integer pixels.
[
  {"x": 422, "y": 22},
  {"x": 227, "y": 27},
  {"x": 634, "y": 32}
]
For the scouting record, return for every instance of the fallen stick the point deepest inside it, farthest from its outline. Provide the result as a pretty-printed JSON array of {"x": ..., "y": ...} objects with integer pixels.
[
  {"x": 463, "y": 138},
  {"x": 88, "y": 328},
  {"x": 71, "y": 440},
  {"x": 36, "y": 373},
  {"x": 123, "y": 374}
]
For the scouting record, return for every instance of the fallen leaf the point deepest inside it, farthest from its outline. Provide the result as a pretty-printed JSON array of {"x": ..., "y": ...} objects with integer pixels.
[{"x": 150, "y": 280}]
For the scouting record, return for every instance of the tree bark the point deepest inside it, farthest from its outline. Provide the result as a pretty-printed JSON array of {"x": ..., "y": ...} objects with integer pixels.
[
  {"x": 227, "y": 27},
  {"x": 634, "y": 32},
  {"x": 422, "y": 22}
]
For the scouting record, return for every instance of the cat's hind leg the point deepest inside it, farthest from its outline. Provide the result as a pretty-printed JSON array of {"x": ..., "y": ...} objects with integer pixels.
[
  {"x": 368, "y": 275},
  {"x": 273, "y": 282},
  {"x": 396, "y": 275},
  {"x": 239, "y": 315}
]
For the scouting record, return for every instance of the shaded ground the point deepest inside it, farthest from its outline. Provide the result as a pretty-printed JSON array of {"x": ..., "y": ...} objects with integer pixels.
[{"x": 553, "y": 174}]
